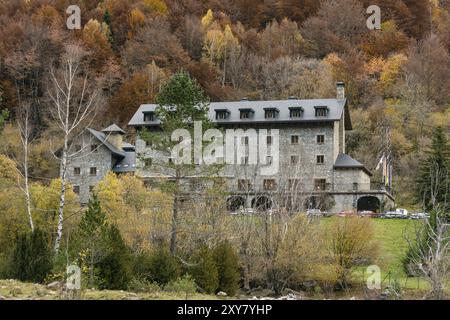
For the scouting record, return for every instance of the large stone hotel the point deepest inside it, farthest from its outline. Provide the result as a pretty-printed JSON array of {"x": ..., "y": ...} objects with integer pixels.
[{"x": 313, "y": 169}]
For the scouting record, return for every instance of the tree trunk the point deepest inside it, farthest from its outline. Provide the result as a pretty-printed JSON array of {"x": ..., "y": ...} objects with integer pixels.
[
  {"x": 27, "y": 187},
  {"x": 173, "y": 235},
  {"x": 62, "y": 198}
]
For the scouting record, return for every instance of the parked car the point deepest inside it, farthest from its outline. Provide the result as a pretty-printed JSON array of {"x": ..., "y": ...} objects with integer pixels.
[
  {"x": 401, "y": 212},
  {"x": 346, "y": 213},
  {"x": 398, "y": 214},
  {"x": 366, "y": 213},
  {"x": 420, "y": 215}
]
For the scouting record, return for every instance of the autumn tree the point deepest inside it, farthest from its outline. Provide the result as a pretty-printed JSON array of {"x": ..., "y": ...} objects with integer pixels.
[
  {"x": 141, "y": 88},
  {"x": 428, "y": 67},
  {"x": 141, "y": 214},
  {"x": 154, "y": 42},
  {"x": 350, "y": 243}
]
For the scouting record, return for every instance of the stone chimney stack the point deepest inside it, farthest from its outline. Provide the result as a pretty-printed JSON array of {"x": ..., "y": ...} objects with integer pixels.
[
  {"x": 340, "y": 90},
  {"x": 114, "y": 135}
]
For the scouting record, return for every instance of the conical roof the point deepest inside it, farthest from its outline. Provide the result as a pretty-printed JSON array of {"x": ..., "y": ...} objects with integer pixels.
[{"x": 113, "y": 128}]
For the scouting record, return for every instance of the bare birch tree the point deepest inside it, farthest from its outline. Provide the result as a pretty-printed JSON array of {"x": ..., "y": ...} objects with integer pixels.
[
  {"x": 73, "y": 107},
  {"x": 25, "y": 131}
]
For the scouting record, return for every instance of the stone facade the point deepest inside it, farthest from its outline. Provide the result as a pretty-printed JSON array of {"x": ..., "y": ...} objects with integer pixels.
[
  {"x": 94, "y": 154},
  {"x": 317, "y": 166}
]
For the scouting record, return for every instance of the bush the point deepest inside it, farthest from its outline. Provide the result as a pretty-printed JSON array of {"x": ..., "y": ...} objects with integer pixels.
[
  {"x": 184, "y": 284},
  {"x": 228, "y": 268},
  {"x": 142, "y": 285},
  {"x": 32, "y": 257},
  {"x": 164, "y": 267},
  {"x": 114, "y": 270},
  {"x": 350, "y": 241},
  {"x": 205, "y": 270}
]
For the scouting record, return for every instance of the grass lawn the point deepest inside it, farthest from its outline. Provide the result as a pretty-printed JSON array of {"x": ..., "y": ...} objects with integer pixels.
[{"x": 390, "y": 235}]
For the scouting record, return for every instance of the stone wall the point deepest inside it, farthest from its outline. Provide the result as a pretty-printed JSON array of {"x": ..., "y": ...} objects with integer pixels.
[{"x": 101, "y": 159}]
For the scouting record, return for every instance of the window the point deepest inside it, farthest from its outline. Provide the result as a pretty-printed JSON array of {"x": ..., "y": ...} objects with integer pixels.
[
  {"x": 170, "y": 160},
  {"x": 246, "y": 113},
  {"x": 148, "y": 143},
  {"x": 222, "y": 114},
  {"x": 93, "y": 171},
  {"x": 294, "y": 159},
  {"x": 76, "y": 189},
  {"x": 269, "y": 184},
  {"x": 320, "y": 184},
  {"x": 244, "y": 160},
  {"x": 294, "y": 139},
  {"x": 94, "y": 147},
  {"x": 269, "y": 140},
  {"x": 296, "y": 112},
  {"x": 321, "y": 111},
  {"x": 244, "y": 141},
  {"x": 195, "y": 184},
  {"x": 148, "y": 162},
  {"x": 270, "y": 113},
  {"x": 77, "y": 171},
  {"x": 355, "y": 186},
  {"x": 244, "y": 184},
  {"x": 320, "y": 139},
  {"x": 269, "y": 160},
  {"x": 149, "y": 116},
  {"x": 77, "y": 148},
  {"x": 320, "y": 159}
]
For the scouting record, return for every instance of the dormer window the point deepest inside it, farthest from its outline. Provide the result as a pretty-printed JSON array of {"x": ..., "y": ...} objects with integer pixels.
[
  {"x": 295, "y": 112},
  {"x": 270, "y": 113},
  {"x": 222, "y": 114},
  {"x": 321, "y": 111},
  {"x": 246, "y": 113},
  {"x": 149, "y": 116}
]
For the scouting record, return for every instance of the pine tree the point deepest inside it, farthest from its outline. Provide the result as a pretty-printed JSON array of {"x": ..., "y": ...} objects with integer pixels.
[
  {"x": 432, "y": 187},
  {"x": 32, "y": 258},
  {"x": 181, "y": 101},
  {"x": 228, "y": 267},
  {"x": 114, "y": 270},
  {"x": 107, "y": 20},
  {"x": 91, "y": 236},
  {"x": 205, "y": 270},
  {"x": 163, "y": 266}
]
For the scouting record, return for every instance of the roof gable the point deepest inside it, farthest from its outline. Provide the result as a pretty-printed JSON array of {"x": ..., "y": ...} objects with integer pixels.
[{"x": 102, "y": 138}]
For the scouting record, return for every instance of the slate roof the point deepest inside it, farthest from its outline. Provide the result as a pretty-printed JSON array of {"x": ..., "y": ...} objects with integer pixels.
[
  {"x": 344, "y": 161},
  {"x": 335, "y": 110},
  {"x": 127, "y": 164},
  {"x": 113, "y": 128},
  {"x": 102, "y": 138},
  {"x": 127, "y": 146}
]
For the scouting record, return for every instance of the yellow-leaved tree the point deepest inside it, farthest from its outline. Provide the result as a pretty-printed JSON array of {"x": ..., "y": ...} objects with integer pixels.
[
  {"x": 45, "y": 204},
  {"x": 141, "y": 214}
]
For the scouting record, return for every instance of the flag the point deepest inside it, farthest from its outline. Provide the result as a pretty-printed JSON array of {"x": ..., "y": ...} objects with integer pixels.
[{"x": 380, "y": 162}]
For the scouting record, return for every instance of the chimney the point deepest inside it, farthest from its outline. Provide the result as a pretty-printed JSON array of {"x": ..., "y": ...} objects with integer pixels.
[
  {"x": 340, "y": 90},
  {"x": 114, "y": 135}
]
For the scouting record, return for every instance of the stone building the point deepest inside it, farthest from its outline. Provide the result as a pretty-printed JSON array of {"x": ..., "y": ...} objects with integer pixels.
[
  {"x": 313, "y": 170},
  {"x": 94, "y": 154}
]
